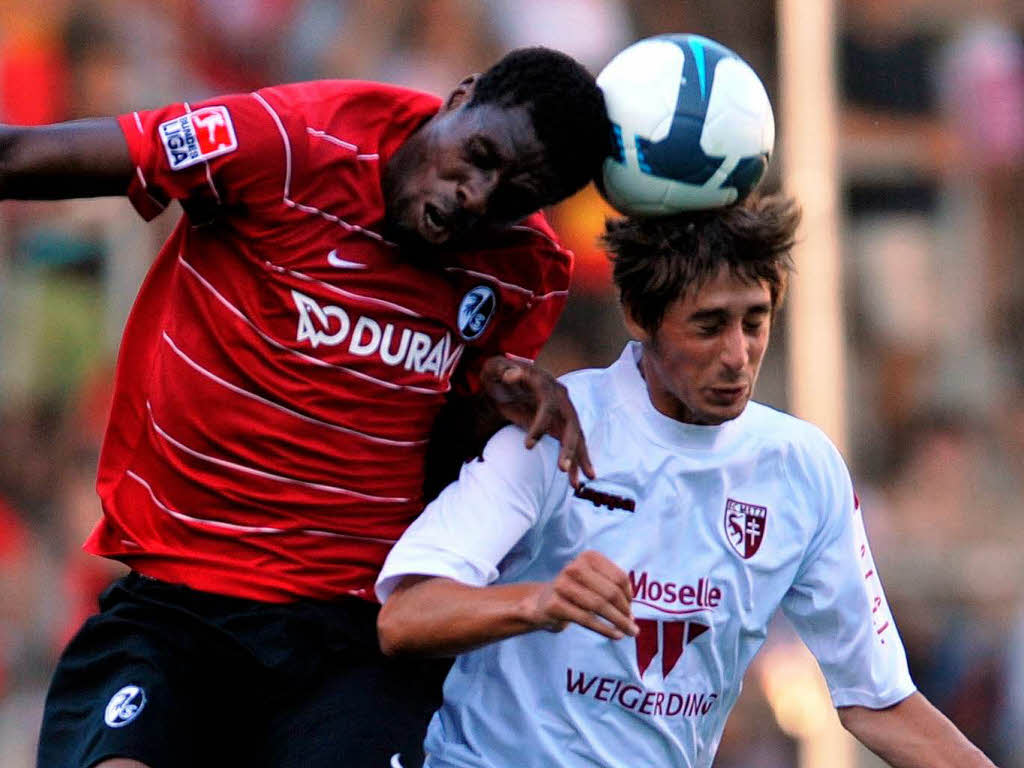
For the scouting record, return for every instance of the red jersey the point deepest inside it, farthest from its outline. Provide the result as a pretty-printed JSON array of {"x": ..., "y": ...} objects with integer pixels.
[{"x": 283, "y": 363}]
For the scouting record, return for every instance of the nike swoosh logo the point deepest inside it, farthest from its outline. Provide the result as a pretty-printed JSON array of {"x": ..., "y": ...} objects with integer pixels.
[
  {"x": 336, "y": 261},
  {"x": 396, "y": 760}
]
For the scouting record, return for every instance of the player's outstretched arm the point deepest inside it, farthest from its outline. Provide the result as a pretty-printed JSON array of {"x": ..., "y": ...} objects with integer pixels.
[
  {"x": 531, "y": 398},
  {"x": 441, "y": 616},
  {"x": 912, "y": 734},
  {"x": 82, "y": 158}
]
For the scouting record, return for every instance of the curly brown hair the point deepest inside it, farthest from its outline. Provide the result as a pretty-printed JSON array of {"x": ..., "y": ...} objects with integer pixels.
[{"x": 657, "y": 261}]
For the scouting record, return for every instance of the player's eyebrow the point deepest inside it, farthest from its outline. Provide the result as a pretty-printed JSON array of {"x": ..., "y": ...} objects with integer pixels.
[
  {"x": 484, "y": 143},
  {"x": 719, "y": 314}
]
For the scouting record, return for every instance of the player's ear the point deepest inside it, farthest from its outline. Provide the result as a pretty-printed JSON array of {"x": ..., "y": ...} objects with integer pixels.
[
  {"x": 636, "y": 331},
  {"x": 462, "y": 93}
]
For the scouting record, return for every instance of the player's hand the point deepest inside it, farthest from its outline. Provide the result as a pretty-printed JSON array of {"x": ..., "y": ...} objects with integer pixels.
[
  {"x": 591, "y": 591},
  {"x": 533, "y": 399}
]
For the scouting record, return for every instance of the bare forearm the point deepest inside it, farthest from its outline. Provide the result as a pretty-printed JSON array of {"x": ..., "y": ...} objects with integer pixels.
[
  {"x": 84, "y": 158},
  {"x": 913, "y": 734},
  {"x": 442, "y": 617}
]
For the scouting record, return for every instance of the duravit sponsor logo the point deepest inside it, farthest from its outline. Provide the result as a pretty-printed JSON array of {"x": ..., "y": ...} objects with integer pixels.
[{"x": 330, "y": 325}]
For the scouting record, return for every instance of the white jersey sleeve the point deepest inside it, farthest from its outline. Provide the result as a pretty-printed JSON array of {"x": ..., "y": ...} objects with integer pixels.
[
  {"x": 838, "y": 607},
  {"x": 466, "y": 531}
]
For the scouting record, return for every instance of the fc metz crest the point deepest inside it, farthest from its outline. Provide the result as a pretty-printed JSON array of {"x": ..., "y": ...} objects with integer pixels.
[{"x": 744, "y": 526}]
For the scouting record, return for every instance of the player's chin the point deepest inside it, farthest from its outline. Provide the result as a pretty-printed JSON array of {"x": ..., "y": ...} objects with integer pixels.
[{"x": 720, "y": 407}]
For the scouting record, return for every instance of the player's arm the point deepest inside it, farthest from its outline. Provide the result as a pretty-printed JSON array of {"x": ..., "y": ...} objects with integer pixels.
[
  {"x": 82, "y": 158},
  {"x": 441, "y": 616},
  {"x": 912, "y": 734},
  {"x": 839, "y": 608},
  {"x": 512, "y": 391}
]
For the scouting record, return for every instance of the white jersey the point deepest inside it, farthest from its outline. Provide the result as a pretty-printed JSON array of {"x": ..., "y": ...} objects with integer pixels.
[{"x": 716, "y": 526}]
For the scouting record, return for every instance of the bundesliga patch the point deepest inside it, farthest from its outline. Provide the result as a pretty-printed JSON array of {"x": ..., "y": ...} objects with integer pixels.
[{"x": 198, "y": 136}]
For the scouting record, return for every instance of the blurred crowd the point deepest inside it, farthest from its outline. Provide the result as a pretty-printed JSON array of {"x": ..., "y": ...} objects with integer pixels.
[{"x": 932, "y": 154}]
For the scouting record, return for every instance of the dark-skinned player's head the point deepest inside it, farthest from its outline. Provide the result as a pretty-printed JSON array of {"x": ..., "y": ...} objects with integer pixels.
[{"x": 528, "y": 132}]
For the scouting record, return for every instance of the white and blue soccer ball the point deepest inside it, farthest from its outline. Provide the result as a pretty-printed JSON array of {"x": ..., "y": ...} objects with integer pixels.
[{"x": 693, "y": 126}]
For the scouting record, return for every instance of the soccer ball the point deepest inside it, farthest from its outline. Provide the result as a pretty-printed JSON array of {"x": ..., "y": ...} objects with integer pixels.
[{"x": 693, "y": 127}]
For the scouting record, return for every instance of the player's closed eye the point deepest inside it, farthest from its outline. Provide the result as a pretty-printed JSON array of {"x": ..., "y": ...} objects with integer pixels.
[{"x": 482, "y": 154}]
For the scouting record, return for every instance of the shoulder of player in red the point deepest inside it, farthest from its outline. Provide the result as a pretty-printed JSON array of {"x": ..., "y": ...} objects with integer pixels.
[{"x": 184, "y": 148}]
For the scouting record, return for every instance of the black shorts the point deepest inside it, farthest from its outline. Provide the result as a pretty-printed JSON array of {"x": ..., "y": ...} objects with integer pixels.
[{"x": 174, "y": 677}]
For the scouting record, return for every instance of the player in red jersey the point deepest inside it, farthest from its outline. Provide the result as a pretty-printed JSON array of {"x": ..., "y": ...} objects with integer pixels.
[{"x": 351, "y": 254}]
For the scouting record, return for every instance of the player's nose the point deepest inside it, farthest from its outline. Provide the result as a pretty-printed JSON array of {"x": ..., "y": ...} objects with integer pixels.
[
  {"x": 473, "y": 193},
  {"x": 734, "y": 353}
]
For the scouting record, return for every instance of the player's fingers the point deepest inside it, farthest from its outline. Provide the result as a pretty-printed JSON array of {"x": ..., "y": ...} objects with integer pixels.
[
  {"x": 587, "y": 596},
  {"x": 541, "y": 423},
  {"x": 608, "y": 578},
  {"x": 605, "y": 585},
  {"x": 569, "y": 611},
  {"x": 583, "y": 454},
  {"x": 568, "y": 456}
]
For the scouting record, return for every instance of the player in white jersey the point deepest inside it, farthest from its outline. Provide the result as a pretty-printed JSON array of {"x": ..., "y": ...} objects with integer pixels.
[{"x": 658, "y": 580}]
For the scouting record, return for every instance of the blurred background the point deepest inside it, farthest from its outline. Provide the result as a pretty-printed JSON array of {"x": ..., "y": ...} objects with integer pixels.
[{"x": 929, "y": 232}]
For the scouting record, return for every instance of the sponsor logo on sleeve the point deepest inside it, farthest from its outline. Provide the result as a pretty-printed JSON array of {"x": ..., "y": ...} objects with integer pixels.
[
  {"x": 744, "y": 527},
  {"x": 198, "y": 136},
  {"x": 124, "y": 706},
  {"x": 475, "y": 312}
]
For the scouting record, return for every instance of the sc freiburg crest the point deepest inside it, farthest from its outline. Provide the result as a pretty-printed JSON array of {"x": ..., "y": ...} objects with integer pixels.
[
  {"x": 475, "y": 312},
  {"x": 744, "y": 526}
]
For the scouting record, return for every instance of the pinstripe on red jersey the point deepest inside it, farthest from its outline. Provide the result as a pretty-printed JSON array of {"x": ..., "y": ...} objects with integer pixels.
[{"x": 283, "y": 363}]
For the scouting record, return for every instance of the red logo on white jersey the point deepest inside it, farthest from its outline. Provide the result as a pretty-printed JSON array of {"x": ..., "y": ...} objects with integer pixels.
[
  {"x": 198, "y": 136},
  {"x": 671, "y": 637},
  {"x": 744, "y": 526}
]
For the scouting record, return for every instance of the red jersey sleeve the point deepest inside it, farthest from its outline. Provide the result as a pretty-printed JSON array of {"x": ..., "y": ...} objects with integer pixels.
[{"x": 224, "y": 152}]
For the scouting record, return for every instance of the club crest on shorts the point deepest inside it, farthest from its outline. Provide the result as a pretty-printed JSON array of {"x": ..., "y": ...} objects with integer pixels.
[
  {"x": 744, "y": 526},
  {"x": 124, "y": 706},
  {"x": 199, "y": 135},
  {"x": 475, "y": 312}
]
